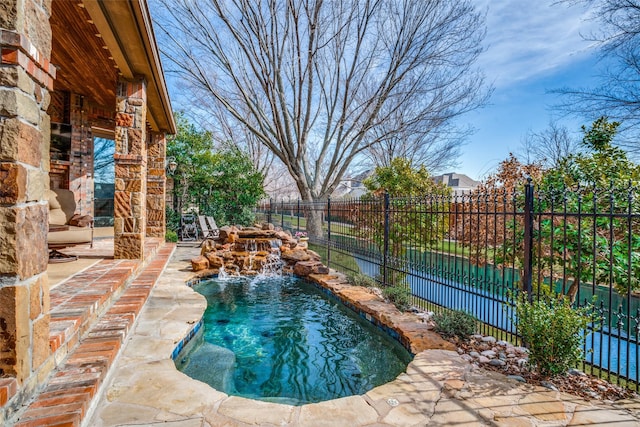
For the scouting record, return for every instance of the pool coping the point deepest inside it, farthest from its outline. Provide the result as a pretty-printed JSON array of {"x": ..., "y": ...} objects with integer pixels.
[{"x": 438, "y": 386}]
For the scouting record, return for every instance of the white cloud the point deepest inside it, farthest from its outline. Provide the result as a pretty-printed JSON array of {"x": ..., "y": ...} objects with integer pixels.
[{"x": 527, "y": 39}]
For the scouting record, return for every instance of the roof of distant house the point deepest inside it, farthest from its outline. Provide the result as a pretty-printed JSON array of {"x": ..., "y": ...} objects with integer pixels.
[{"x": 456, "y": 181}]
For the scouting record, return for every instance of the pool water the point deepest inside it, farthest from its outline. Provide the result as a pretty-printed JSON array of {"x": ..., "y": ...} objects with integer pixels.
[{"x": 281, "y": 339}]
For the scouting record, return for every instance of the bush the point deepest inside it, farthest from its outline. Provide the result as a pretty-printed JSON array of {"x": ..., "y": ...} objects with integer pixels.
[
  {"x": 551, "y": 329},
  {"x": 173, "y": 220},
  {"x": 399, "y": 295},
  {"x": 359, "y": 279},
  {"x": 456, "y": 323},
  {"x": 171, "y": 236}
]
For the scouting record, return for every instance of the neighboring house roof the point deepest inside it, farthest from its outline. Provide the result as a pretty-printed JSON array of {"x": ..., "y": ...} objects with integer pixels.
[
  {"x": 352, "y": 186},
  {"x": 457, "y": 181}
]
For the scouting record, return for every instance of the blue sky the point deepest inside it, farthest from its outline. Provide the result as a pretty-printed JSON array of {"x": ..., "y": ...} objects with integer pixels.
[{"x": 531, "y": 48}]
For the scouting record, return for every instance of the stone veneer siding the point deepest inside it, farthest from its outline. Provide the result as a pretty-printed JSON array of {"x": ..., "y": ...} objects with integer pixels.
[
  {"x": 26, "y": 77},
  {"x": 156, "y": 184},
  {"x": 130, "y": 207}
]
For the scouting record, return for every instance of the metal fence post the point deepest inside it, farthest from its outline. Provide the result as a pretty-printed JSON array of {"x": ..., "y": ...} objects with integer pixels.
[
  {"x": 527, "y": 273},
  {"x": 282, "y": 214},
  {"x": 269, "y": 212},
  {"x": 298, "y": 215},
  {"x": 329, "y": 232},
  {"x": 386, "y": 239}
]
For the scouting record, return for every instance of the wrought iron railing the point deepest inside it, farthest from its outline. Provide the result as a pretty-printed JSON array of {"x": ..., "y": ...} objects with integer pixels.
[{"x": 476, "y": 251}]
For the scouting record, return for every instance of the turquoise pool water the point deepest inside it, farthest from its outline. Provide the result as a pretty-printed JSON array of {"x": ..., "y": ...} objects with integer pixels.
[{"x": 281, "y": 339}]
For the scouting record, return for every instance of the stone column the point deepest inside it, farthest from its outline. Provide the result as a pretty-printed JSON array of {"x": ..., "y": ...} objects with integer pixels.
[
  {"x": 131, "y": 170},
  {"x": 80, "y": 179},
  {"x": 156, "y": 185},
  {"x": 26, "y": 77}
]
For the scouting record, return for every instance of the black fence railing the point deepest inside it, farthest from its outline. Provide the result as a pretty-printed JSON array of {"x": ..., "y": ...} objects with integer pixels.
[{"x": 476, "y": 251}]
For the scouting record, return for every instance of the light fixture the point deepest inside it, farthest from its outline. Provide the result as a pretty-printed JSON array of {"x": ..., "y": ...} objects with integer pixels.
[{"x": 171, "y": 165}]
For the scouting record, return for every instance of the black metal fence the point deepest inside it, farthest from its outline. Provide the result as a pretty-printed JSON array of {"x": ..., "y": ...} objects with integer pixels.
[{"x": 476, "y": 251}]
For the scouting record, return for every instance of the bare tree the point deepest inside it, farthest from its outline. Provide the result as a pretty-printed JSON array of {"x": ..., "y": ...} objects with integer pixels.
[
  {"x": 618, "y": 96},
  {"x": 103, "y": 163},
  {"x": 548, "y": 146},
  {"x": 436, "y": 146},
  {"x": 229, "y": 132},
  {"x": 315, "y": 81}
]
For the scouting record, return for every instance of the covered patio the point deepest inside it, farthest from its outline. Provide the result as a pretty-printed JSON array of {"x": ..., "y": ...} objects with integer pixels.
[{"x": 73, "y": 72}]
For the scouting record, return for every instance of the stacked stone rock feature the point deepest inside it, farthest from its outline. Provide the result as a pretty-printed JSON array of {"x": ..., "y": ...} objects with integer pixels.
[
  {"x": 130, "y": 207},
  {"x": 245, "y": 251}
]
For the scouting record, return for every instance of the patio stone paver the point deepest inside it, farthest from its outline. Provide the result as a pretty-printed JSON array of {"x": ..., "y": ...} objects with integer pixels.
[
  {"x": 438, "y": 387},
  {"x": 91, "y": 315}
]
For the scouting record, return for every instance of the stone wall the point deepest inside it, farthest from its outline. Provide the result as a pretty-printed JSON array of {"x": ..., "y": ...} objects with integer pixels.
[
  {"x": 26, "y": 77},
  {"x": 156, "y": 154},
  {"x": 131, "y": 169}
]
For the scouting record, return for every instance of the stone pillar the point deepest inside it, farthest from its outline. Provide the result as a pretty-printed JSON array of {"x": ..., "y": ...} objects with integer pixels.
[
  {"x": 131, "y": 170},
  {"x": 156, "y": 185},
  {"x": 80, "y": 179},
  {"x": 26, "y": 77}
]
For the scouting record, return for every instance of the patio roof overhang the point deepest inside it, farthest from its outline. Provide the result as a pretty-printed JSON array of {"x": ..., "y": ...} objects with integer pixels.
[{"x": 96, "y": 42}]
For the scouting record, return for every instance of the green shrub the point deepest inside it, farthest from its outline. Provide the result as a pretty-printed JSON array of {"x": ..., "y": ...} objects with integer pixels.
[
  {"x": 359, "y": 279},
  {"x": 171, "y": 236},
  {"x": 551, "y": 329},
  {"x": 173, "y": 219},
  {"x": 456, "y": 323},
  {"x": 399, "y": 295}
]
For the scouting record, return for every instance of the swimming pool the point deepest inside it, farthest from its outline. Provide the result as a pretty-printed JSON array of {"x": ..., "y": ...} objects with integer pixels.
[{"x": 281, "y": 339}]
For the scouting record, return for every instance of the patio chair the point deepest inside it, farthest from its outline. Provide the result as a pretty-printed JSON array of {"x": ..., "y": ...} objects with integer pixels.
[
  {"x": 213, "y": 227},
  {"x": 207, "y": 233}
]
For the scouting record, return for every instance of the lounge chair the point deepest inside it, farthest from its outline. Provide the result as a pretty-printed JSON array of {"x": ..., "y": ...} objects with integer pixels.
[
  {"x": 207, "y": 233},
  {"x": 213, "y": 227},
  {"x": 65, "y": 228}
]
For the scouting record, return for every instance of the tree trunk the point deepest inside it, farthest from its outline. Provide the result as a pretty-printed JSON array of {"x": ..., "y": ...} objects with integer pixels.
[{"x": 314, "y": 224}]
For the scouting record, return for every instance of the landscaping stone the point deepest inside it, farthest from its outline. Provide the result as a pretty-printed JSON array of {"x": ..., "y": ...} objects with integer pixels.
[
  {"x": 199, "y": 263},
  {"x": 438, "y": 388}
]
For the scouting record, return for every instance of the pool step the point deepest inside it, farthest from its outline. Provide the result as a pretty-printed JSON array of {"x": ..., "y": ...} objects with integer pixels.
[{"x": 102, "y": 314}]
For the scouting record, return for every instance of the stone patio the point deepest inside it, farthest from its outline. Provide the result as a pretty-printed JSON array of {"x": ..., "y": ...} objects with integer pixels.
[{"x": 439, "y": 388}]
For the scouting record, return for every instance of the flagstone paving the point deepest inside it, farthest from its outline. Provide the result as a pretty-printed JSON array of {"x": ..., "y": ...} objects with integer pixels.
[
  {"x": 91, "y": 315},
  {"x": 438, "y": 388}
]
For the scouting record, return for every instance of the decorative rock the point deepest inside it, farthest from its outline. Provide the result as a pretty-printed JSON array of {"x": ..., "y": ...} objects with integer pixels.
[
  {"x": 503, "y": 343},
  {"x": 576, "y": 372},
  {"x": 199, "y": 263},
  {"x": 304, "y": 268},
  {"x": 497, "y": 362},
  {"x": 489, "y": 339},
  {"x": 224, "y": 233},
  {"x": 522, "y": 362},
  {"x": 548, "y": 385},
  {"x": 477, "y": 337},
  {"x": 517, "y": 378},
  {"x": 474, "y": 354},
  {"x": 214, "y": 260},
  {"x": 489, "y": 353},
  {"x": 321, "y": 269},
  {"x": 296, "y": 255},
  {"x": 484, "y": 359}
]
